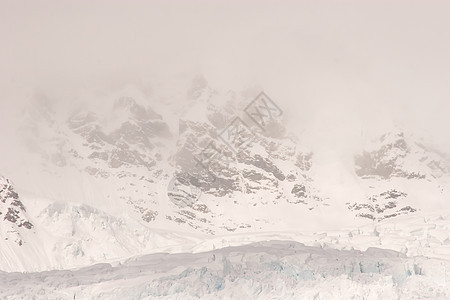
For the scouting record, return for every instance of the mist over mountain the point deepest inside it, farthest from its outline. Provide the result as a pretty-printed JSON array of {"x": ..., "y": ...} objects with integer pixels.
[
  {"x": 354, "y": 65},
  {"x": 251, "y": 150}
]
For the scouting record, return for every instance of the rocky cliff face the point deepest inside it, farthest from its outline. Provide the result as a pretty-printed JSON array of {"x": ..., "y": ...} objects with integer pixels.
[
  {"x": 13, "y": 216},
  {"x": 132, "y": 143},
  {"x": 231, "y": 154},
  {"x": 394, "y": 169},
  {"x": 394, "y": 155}
]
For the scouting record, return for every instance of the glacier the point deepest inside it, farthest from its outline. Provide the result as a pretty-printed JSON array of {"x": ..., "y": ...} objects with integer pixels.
[{"x": 262, "y": 270}]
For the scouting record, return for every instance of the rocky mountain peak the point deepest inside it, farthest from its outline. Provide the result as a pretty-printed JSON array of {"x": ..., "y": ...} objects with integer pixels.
[{"x": 392, "y": 155}]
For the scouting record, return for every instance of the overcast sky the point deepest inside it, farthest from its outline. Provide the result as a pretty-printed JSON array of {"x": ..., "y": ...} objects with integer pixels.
[{"x": 329, "y": 64}]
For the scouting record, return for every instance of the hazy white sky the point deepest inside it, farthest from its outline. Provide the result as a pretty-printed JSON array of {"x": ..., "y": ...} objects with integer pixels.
[{"x": 328, "y": 63}]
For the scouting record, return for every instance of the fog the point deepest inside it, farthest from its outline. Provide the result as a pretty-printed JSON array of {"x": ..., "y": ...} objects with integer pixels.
[{"x": 337, "y": 68}]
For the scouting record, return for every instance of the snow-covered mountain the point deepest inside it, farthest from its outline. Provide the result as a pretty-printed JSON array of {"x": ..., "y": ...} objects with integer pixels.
[
  {"x": 117, "y": 174},
  {"x": 398, "y": 172}
]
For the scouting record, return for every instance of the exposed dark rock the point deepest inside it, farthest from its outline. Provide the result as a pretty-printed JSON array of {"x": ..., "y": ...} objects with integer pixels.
[
  {"x": 149, "y": 216},
  {"x": 262, "y": 163},
  {"x": 13, "y": 212},
  {"x": 388, "y": 160},
  {"x": 378, "y": 205},
  {"x": 299, "y": 191}
]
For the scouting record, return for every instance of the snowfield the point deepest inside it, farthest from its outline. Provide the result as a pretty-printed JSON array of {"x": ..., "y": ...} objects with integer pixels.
[
  {"x": 402, "y": 258},
  {"x": 263, "y": 270}
]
